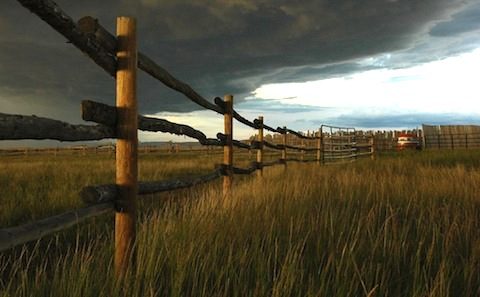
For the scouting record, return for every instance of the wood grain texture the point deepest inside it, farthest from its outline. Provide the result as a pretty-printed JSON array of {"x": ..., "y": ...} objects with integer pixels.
[
  {"x": 11, "y": 237},
  {"x": 228, "y": 147},
  {"x": 127, "y": 145},
  {"x": 260, "y": 150},
  {"x": 15, "y": 127}
]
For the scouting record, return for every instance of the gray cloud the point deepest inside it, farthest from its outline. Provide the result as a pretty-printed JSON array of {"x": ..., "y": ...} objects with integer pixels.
[
  {"x": 220, "y": 46},
  {"x": 271, "y": 105},
  {"x": 395, "y": 121},
  {"x": 462, "y": 22}
]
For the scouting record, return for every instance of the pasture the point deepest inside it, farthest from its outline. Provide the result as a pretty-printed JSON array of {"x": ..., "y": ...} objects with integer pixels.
[{"x": 403, "y": 225}]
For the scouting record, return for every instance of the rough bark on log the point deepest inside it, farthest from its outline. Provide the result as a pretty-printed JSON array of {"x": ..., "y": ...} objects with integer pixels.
[
  {"x": 104, "y": 193},
  {"x": 14, "y": 127},
  {"x": 244, "y": 171},
  {"x": 255, "y": 144},
  {"x": 52, "y": 14},
  {"x": 107, "y": 115},
  {"x": 281, "y": 130},
  {"x": 272, "y": 145},
  {"x": 243, "y": 120},
  {"x": 10, "y": 237},
  {"x": 236, "y": 143},
  {"x": 221, "y": 104},
  {"x": 237, "y": 170}
]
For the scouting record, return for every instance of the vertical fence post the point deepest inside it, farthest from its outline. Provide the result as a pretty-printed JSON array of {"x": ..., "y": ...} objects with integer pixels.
[
  {"x": 127, "y": 145},
  {"x": 424, "y": 139},
  {"x": 228, "y": 147},
  {"x": 284, "y": 152},
  {"x": 322, "y": 147},
  {"x": 466, "y": 140},
  {"x": 302, "y": 156},
  {"x": 451, "y": 141},
  {"x": 319, "y": 145},
  {"x": 372, "y": 146},
  {"x": 260, "y": 149}
]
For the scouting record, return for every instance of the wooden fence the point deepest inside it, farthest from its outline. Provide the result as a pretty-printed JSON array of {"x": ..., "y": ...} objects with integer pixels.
[
  {"x": 119, "y": 57},
  {"x": 451, "y": 137}
]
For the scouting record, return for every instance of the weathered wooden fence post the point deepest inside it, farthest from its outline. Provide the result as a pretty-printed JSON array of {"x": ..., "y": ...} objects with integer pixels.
[
  {"x": 319, "y": 145},
  {"x": 372, "y": 146},
  {"x": 127, "y": 145},
  {"x": 284, "y": 152},
  {"x": 260, "y": 149},
  {"x": 228, "y": 147},
  {"x": 302, "y": 152}
]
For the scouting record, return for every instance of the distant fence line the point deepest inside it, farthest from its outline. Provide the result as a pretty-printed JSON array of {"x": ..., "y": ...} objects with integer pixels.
[
  {"x": 120, "y": 59},
  {"x": 451, "y": 136}
]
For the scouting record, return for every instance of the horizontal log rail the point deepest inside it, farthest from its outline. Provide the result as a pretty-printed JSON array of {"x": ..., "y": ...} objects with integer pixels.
[
  {"x": 236, "y": 143},
  {"x": 273, "y": 145},
  {"x": 16, "y": 127},
  {"x": 105, "y": 193},
  {"x": 107, "y": 115},
  {"x": 266, "y": 127},
  {"x": 298, "y": 148},
  {"x": 246, "y": 171},
  {"x": 11, "y": 237}
]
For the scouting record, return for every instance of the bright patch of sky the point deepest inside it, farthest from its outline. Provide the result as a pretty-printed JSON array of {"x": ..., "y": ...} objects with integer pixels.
[{"x": 445, "y": 86}]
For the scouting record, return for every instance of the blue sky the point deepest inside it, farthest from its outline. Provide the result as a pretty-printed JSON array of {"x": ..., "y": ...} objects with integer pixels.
[{"x": 373, "y": 64}]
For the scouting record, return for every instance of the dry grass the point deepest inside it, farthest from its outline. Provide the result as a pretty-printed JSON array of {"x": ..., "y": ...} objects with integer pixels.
[{"x": 403, "y": 225}]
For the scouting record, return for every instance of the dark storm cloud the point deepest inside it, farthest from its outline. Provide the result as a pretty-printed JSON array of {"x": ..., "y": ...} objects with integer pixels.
[
  {"x": 465, "y": 21},
  {"x": 223, "y": 46}
]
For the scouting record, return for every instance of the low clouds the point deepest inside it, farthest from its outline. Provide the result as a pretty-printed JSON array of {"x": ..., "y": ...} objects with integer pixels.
[{"x": 223, "y": 46}]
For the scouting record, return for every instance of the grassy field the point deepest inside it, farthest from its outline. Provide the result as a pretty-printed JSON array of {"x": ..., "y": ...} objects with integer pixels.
[{"x": 402, "y": 225}]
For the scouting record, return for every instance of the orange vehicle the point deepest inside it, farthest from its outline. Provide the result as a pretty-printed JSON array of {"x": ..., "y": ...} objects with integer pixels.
[{"x": 408, "y": 141}]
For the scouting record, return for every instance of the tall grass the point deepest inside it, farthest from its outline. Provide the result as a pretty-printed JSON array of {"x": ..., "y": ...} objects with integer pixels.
[{"x": 403, "y": 225}]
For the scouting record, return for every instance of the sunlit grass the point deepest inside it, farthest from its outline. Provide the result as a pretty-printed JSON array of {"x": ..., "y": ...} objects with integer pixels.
[{"x": 402, "y": 225}]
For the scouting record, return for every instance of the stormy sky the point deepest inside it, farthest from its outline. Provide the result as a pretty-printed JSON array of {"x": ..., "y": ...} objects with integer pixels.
[{"x": 372, "y": 64}]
